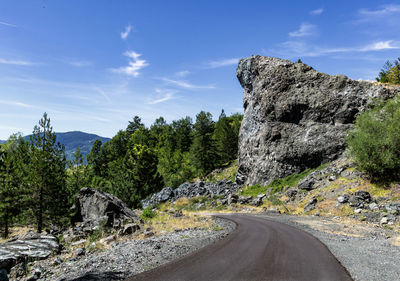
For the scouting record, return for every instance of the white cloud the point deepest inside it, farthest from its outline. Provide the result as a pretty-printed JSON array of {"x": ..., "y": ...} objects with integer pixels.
[
  {"x": 317, "y": 12},
  {"x": 134, "y": 64},
  {"x": 15, "y": 62},
  {"x": 183, "y": 73},
  {"x": 163, "y": 96},
  {"x": 305, "y": 29},
  {"x": 302, "y": 49},
  {"x": 383, "y": 11},
  {"x": 381, "y": 45},
  {"x": 222, "y": 62},
  {"x": 125, "y": 33},
  {"x": 7, "y": 24},
  {"x": 185, "y": 84},
  {"x": 15, "y": 103}
]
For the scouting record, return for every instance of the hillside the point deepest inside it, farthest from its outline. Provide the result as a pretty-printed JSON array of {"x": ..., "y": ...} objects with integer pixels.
[{"x": 73, "y": 139}]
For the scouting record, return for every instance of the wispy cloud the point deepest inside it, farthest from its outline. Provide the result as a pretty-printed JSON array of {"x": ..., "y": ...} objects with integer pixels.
[
  {"x": 15, "y": 62},
  {"x": 182, "y": 73},
  {"x": 126, "y": 32},
  {"x": 163, "y": 96},
  {"x": 7, "y": 24},
  {"x": 80, "y": 63},
  {"x": 317, "y": 12},
  {"x": 134, "y": 64},
  {"x": 382, "y": 11},
  {"x": 185, "y": 84},
  {"x": 305, "y": 29},
  {"x": 300, "y": 48},
  {"x": 221, "y": 63},
  {"x": 15, "y": 103}
]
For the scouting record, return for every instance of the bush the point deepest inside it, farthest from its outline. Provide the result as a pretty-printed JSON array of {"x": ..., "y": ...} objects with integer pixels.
[
  {"x": 374, "y": 143},
  {"x": 148, "y": 213}
]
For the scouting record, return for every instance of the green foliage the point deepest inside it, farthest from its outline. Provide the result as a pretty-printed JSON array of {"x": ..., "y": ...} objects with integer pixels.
[
  {"x": 203, "y": 148},
  {"x": 148, "y": 214},
  {"x": 374, "y": 143},
  {"x": 13, "y": 159},
  {"x": 253, "y": 190},
  {"x": 278, "y": 185},
  {"x": 390, "y": 73},
  {"x": 47, "y": 175}
]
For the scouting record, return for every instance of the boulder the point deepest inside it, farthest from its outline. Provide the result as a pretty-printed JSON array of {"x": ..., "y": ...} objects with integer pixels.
[
  {"x": 244, "y": 199},
  {"x": 310, "y": 205},
  {"x": 93, "y": 207},
  {"x": 343, "y": 199},
  {"x": 360, "y": 198},
  {"x": 32, "y": 246},
  {"x": 393, "y": 208},
  {"x": 295, "y": 117}
]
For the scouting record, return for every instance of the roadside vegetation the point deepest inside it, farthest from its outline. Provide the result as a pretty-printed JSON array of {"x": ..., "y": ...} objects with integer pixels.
[{"x": 38, "y": 185}]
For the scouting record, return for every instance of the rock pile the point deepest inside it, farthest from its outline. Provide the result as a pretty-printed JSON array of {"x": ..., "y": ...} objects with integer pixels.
[
  {"x": 295, "y": 117},
  {"x": 190, "y": 190}
]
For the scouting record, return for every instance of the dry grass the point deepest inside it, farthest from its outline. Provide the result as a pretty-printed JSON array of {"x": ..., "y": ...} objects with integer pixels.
[
  {"x": 17, "y": 230},
  {"x": 165, "y": 222}
]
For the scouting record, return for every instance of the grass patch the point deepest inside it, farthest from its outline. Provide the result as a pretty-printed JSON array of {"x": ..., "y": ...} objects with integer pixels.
[
  {"x": 279, "y": 185},
  {"x": 148, "y": 214},
  {"x": 227, "y": 172}
]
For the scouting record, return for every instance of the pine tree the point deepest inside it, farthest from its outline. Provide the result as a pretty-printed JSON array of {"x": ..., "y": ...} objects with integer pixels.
[
  {"x": 203, "y": 148},
  {"x": 12, "y": 179},
  {"x": 50, "y": 197}
]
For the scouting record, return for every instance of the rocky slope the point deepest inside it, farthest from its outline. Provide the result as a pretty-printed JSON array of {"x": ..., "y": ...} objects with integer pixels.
[{"x": 295, "y": 117}]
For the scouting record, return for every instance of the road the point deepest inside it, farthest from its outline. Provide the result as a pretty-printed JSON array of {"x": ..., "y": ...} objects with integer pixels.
[{"x": 259, "y": 249}]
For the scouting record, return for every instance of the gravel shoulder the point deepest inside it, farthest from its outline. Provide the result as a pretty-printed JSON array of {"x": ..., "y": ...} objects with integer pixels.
[
  {"x": 124, "y": 259},
  {"x": 368, "y": 252}
]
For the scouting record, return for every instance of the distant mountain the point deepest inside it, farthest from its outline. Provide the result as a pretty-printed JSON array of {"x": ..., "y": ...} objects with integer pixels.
[
  {"x": 2, "y": 141},
  {"x": 72, "y": 140}
]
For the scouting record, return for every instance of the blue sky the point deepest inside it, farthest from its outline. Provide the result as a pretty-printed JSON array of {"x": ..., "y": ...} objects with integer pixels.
[{"x": 92, "y": 65}]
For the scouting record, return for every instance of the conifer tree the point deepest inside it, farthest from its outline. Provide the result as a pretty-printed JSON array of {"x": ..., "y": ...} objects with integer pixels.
[{"x": 50, "y": 197}]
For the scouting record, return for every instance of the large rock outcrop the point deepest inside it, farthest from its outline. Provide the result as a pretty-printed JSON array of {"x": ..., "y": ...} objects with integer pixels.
[
  {"x": 93, "y": 207},
  {"x": 295, "y": 117}
]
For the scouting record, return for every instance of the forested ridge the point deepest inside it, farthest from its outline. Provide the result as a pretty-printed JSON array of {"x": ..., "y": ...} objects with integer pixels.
[{"x": 38, "y": 184}]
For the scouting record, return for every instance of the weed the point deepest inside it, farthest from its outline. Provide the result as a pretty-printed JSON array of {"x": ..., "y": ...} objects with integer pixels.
[{"x": 148, "y": 213}]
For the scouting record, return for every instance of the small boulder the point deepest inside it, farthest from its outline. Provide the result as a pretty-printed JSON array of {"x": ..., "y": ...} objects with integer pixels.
[
  {"x": 306, "y": 184},
  {"x": 384, "y": 220},
  {"x": 232, "y": 198},
  {"x": 310, "y": 205},
  {"x": 80, "y": 252},
  {"x": 373, "y": 206},
  {"x": 130, "y": 228},
  {"x": 358, "y": 211},
  {"x": 343, "y": 199},
  {"x": 244, "y": 199}
]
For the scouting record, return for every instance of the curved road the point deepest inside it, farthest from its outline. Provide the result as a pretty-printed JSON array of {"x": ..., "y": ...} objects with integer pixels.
[{"x": 259, "y": 249}]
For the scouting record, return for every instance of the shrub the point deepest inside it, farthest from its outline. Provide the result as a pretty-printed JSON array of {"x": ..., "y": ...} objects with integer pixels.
[
  {"x": 148, "y": 213},
  {"x": 374, "y": 143}
]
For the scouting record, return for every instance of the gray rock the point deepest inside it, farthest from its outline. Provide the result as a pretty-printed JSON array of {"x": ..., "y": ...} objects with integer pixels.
[
  {"x": 244, "y": 199},
  {"x": 306, "y": 184},
  {"x": 3, "y": 275},
  {"x": 130, "y": 228},
  {"x": 93, "y": 206},
  {"x": 360, "y": 198},
  {"x": 343, "y": 199},
  {"x": 310, "y": 205},
  {"x": 393, "y": 208},
  {"x": 256, "y": 201},
  {"x": 295, "y": 117},
  {"x": 80, "y": 252},
  {"x": 291, "y": 193},
  {"x": 33, "y": 246},
  {"x": 232, "y": 198},
  {"x": 189, "y": 190},
  {"x": 358, "y": 211},
  {"x": 373, "y": 206},
  {"x": 384, "y": 220}
]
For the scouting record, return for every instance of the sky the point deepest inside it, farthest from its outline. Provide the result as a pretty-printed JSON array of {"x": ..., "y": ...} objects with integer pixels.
[{"x": 93, "y": 65}]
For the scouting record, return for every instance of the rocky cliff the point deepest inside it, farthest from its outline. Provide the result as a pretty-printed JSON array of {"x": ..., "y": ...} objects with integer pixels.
[{"x": 295, "y": 117}]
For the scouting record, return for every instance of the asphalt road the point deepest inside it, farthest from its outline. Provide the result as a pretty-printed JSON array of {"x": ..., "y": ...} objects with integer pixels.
[{"x": 259, "y": 249}]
